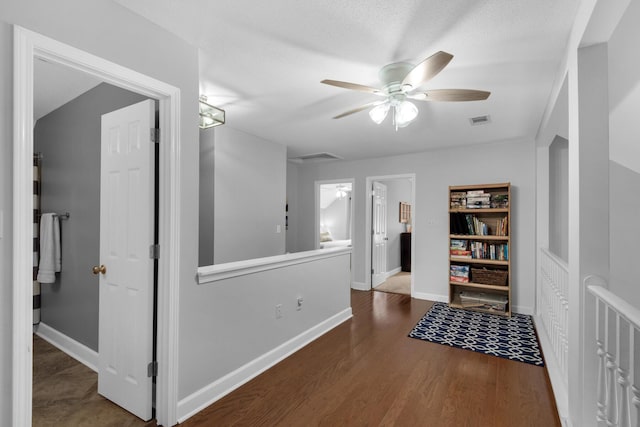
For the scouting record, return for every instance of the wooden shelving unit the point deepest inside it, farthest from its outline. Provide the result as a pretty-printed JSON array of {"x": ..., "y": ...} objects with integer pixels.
[{"x": 487, "y": 255}]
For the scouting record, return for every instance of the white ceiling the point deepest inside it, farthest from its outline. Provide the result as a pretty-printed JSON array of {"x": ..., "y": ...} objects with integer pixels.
[{"x": 262, "y": 61}]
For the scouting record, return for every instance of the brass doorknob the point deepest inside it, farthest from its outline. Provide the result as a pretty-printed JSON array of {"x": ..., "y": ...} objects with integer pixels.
[{"x": 102, "y": 269}]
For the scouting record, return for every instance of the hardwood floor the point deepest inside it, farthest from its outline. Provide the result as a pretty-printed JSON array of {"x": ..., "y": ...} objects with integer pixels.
[
  {"x": 65, "y": 393},
  {"x": 367, "y": 372}
]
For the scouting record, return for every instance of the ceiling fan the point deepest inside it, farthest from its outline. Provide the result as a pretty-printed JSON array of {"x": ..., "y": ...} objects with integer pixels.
[{"x": 402, "y": 81}]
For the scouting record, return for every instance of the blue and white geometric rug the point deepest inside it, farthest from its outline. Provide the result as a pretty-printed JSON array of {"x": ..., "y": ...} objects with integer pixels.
[{"x": 511, "y": 338}]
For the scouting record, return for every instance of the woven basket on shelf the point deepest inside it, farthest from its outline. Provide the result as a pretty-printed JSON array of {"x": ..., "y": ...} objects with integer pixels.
[{"x": 489, "y": 277}]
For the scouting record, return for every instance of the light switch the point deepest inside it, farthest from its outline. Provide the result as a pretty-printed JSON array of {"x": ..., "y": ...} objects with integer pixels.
[{"x": 278, "y": 228}]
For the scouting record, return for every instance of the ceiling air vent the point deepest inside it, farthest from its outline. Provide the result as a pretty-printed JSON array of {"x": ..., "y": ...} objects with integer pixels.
[
  {"x": 480, "y": 120},
  {"x": 316, "y": 157}
]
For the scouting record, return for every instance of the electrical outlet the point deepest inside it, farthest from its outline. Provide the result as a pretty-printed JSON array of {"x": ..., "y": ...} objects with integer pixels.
[
  {"x": 299, "y": 306},
  {"x": 278, "y": 311}
]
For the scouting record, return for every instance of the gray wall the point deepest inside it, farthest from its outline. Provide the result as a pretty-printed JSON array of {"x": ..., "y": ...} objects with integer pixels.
[
  {"x": 292, "y": 201},
  {"x": 624, "y": 156},
  {"x": 69, "y": 140},
  {"x": 398, "y": 190},
  {"x": 559, "y": 198},
  {"x": 207, "y": 178},
  {"x": 134, "y": 43},
  {"x": 250, "y": 196},
  {"x": 512, "y": 161}
]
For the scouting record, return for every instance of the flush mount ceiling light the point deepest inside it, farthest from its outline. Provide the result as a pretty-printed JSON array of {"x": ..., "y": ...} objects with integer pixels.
[
  {"x": 210, "y": 116},
  {"x": 341, "y": 193},
  {"x": 401, "y": 81}
]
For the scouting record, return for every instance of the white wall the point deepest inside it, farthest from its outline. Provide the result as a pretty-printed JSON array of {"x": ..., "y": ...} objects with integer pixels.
[
  {"x": 559, "y": 198},
  {"x": 624, "y": 155},
  {"x": 250, "y": 196},
  {"x": 512, "y": 161},
  {"x": 134, "y": 43}
]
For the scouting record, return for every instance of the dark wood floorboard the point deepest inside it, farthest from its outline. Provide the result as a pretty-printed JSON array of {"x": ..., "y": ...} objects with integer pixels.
[
  {"x": 367, "y": 372},
  {"x": 65, "y": 393}
]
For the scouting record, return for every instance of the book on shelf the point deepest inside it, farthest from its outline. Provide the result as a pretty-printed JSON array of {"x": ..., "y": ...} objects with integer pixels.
[
  {"x": 458, "y": 244},
  {"x": 461, "y": 253},
  {"x": 472, "y": 193},
  {"x": 491, "y": 251},
  {"x": 459, "y": 273},
  {"x": 479, "y": 201},
  {"x": 458, "y": 200},
  {"x": 500, "y": 200},
  {"x": 502, "y": 227}
]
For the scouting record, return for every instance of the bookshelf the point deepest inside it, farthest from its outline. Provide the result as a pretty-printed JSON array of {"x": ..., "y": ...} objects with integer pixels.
[{"x": 480, "y": 247}]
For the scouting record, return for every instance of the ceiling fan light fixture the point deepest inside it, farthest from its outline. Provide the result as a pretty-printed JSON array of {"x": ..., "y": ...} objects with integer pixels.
[
  {"x": 405, "y": 113},
  {"x": 379, "y": 113}
]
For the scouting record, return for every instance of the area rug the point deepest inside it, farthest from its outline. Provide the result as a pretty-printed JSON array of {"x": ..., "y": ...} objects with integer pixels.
[{"x": 511, "y": 338}]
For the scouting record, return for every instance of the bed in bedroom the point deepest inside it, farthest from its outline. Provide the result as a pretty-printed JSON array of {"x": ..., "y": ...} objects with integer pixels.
[{"x": 327, "y": 241}]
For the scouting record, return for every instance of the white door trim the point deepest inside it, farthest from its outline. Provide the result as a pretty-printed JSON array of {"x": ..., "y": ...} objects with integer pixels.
[
  {"x": 29, "y": 45},
  {"x": 367, "y": 224}
]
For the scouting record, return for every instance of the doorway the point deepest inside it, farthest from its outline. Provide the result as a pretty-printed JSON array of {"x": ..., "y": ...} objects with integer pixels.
[
  {"x": 77, "y": 311},
  {"x": 28, "y": 47},
  {"x": 391, "y": 235},
  {"x": 334, "y": 213}
]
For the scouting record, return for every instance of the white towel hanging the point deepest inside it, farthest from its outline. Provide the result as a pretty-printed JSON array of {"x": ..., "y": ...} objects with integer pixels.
[{"x": 49, "y": 248}]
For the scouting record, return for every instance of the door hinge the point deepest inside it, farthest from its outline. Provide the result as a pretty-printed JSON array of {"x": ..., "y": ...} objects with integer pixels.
[
  {"x": 152, "y": 369},
  {"x": 154, "y": 251},
  {"x": 155, "y": 135},
  {"x": 372, "y": 271}
]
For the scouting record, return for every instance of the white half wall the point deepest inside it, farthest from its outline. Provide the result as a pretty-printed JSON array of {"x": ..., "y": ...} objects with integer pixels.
[{"x": 231, "y": 332}]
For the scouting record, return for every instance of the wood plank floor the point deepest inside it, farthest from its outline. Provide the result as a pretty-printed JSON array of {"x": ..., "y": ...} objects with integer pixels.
[{"x": 367, "y": 372}]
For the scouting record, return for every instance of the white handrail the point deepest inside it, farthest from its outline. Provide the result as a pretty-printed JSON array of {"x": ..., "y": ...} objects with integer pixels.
[
  {"x": 627, "y": 311},
  {"x": 617, "y": 336},
  {"x": 217, "y": 272}
]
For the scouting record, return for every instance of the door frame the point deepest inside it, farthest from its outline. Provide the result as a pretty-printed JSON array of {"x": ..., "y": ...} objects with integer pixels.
[
  {"x": 28, "y": 46},
  {"x": 369, "y": 217}
]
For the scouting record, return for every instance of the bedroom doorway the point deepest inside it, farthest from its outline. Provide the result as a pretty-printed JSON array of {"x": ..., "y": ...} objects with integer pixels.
[
  {"x": 390, "y": 236},
  {"x": 334, "y": 208}
]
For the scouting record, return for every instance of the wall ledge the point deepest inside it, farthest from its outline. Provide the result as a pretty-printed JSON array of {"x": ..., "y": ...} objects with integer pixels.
[{"x": 214, "y": 273}]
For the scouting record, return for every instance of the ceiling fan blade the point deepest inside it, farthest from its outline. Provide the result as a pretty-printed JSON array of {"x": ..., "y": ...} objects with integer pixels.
[
  {"x": 451, "y": 95},
  {"x": 357, "y": 110},
  {"x": 427, "y": 69},
  {"x": 352, "y": 86}
]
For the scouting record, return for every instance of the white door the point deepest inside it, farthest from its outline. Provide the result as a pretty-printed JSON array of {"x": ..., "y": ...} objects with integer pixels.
[
  {"x": 379, "y": 234},
  {"x": 126, "y": 270}
]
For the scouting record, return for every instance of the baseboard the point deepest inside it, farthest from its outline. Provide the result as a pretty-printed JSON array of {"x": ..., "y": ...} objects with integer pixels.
[
  {"x": 430, "y": 297},
  {"x": 204, "y": 397},
  {"x": 522, "y": 310},
  {"x": 360, "y": 286},
  {"x": 73, "y": 348},
  {"x": 392, "y": 272},
  {"x": 555, "y": 376}
]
